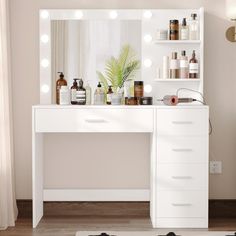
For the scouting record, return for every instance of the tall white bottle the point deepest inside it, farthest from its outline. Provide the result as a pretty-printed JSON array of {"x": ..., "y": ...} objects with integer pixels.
[
  {"x": 166, "y": 67},
  {"x": 194, "y": 27}
]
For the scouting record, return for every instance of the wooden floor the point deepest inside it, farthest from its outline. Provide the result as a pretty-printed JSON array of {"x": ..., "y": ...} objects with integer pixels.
[{"x": 67, "y": 226}]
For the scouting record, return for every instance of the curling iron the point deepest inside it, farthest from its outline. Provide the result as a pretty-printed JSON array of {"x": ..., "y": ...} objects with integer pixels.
[{"x": 173, "y": 100}]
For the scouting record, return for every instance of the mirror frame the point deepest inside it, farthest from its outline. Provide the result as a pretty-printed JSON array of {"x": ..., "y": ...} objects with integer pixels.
[{"x": 46, "y": 15}]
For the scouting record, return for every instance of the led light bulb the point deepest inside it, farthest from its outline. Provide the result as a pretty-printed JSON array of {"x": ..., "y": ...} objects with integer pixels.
[
  {"x": 45, "y": 63},
  {"x": 113, "y": 14},
  {"x": 44, "y": 38},
  {"x": 45, "y": 88},
  {"x": 147, "y": 14},
  {"x": 79, "y": 14},
  {"x": 44, "y": 14},
  {"x": 147, "y": 38},
  {"x": 147, "y": 88},
  {"x": 147, "y": 63}
]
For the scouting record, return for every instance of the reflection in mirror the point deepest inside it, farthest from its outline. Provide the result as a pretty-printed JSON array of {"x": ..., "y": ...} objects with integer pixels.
[{"x": 81, "y": 47}]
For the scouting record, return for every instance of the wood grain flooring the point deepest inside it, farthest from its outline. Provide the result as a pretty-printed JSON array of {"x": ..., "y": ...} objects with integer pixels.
[{"x": 68, "y": 226}]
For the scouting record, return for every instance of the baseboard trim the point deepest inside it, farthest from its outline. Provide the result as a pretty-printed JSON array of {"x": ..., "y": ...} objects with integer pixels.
[
  {"x": 101, "y": 195},
  {"x": 220, "y": 208}
]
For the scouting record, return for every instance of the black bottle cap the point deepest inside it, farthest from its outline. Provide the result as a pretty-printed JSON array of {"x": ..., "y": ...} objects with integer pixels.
[
  {"x": 61, "y": 74},
  {"x": 99, "y": 85},
  {"x": 75, "y": 81},
  {"x": 183, "y": 53},
  {"x": 174, "y": 22},
  {"x": 184, "y": 23},
  {"x": 138, "y": 82},
  {"x": 194, "y": 16}
]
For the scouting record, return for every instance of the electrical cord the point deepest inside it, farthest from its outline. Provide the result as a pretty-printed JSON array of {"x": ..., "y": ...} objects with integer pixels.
[{"x": 197, "y": 100}]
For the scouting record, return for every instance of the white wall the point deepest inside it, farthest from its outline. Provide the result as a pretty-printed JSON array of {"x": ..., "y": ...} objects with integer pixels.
[{"x": 220, "y": 86}]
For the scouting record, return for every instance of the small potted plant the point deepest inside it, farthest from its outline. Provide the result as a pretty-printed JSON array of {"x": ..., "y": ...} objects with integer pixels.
[{"x": 118, "y": 71}]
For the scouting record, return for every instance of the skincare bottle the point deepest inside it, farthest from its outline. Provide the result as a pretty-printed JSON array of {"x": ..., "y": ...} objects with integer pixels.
[
  {"x": 73, "y": 90},
  {"x": 174, "y": 66},
  {"x": 166, "y": 68},
  {"x": 193, "y": 66},
  {"x": 60, "y": 82},
  {"x": 193, "y": 27},
  {"x": 88, "y": 94},
  {"x": 64, "y": 96},
  {"x": 184, "y": 33},
  {"x": 109, "y": 95},
  {"x": 99, "y": 95},
  {"x": 183, "y": 64},
  {"x": 81, "y": 94}
]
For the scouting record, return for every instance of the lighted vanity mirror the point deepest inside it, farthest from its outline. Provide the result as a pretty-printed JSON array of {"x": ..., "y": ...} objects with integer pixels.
[
  {"x": 80, "y": 48},
  {"x": 80, "y": 41}
]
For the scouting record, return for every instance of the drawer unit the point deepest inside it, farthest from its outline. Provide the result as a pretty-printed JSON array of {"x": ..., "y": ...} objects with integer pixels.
[
  {"x": 182, "y": 121},
  {"x": 182, "y": 149},
  {"x": 182, "y": 176},
  {"x": 176, "y": 204},
  {"x": 94, "y": 120}
]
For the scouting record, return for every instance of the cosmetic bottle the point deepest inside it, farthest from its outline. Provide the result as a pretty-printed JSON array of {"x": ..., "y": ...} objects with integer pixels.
[
  {"x": 109, "y": 95},
  {"x": 183, "y": 66},
  {"x": 193, "y": 27},
  {"x": 88, "y": 94},
  {"x": 64, "y": 96},
  {"x": 99, "y": 95},
  {"x": 184, "y": 32},
  {"x": 73, "y": 90},
  {"x": 174, "y": 66},
  {"x": 193, "y": 66},
  {"x": 166, "y": 67},
  {"x": 174, "y": 30},
  {"x": 81, "y": 94},
  {"x": 60, "y": 82}
]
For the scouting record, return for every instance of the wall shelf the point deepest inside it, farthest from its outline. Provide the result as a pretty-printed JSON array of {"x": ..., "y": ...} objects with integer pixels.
[
  {"x": 177, "y": 41},
  {"x": 177, "y": 80}
]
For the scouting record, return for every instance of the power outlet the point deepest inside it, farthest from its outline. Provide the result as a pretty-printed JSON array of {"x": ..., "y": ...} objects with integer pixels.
[{"x": 216, "y": 167}]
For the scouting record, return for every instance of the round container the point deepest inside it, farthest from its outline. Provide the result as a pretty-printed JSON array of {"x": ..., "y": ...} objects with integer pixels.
[
  {"x": 131, "y": 101},
  {"x": 174, "y": 30},
  {"x": 162, "y": 34},
  {"x": 138, "y": 89},
  {"x": 145, "y": 101}
]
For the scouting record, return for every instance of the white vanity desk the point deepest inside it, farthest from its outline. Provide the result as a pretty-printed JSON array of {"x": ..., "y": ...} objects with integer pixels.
[{"x": 179, "y": 155}]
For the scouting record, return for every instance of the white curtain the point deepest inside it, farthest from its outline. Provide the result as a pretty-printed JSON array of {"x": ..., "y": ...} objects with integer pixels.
[{"x": 8, "y": 209}]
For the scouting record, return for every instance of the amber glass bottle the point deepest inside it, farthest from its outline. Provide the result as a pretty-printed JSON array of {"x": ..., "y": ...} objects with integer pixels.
[
  {"x": 193, "y": 67},
  {"x": 60, "y": 82},
  {"x": 109, "y": 95}
]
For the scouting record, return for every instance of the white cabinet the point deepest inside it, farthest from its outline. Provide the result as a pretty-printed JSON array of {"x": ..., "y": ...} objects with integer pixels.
[
  {"x": 179, "y": 158},
  {"x": 180, "y": 188}
]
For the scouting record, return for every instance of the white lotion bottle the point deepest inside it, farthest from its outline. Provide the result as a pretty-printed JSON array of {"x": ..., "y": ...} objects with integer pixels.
[{"x": 166, "y": 67}]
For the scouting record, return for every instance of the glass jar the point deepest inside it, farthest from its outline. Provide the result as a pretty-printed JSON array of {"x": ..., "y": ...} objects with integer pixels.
[
  {"x": 174, "y": 30},
  {"x": 138, "y": 89}
]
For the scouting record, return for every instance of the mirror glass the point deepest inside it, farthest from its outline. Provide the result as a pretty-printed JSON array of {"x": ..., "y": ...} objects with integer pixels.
[{"x": 79, "y": 48}]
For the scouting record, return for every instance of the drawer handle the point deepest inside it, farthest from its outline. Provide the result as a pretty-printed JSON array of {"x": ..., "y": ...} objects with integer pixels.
[
  {"x": 182, "y": 150},
  {"x": 182, "y": 122},
  {"x": 95, "y": 121},
  {"x": 181, "y": 177},
  {"x": 181, "y": 204}
]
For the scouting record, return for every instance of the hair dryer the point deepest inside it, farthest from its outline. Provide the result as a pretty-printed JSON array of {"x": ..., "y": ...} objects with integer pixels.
[{"x": 173, "y": 100}]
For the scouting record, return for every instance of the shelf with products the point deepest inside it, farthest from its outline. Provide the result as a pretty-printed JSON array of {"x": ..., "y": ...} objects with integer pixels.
[
  {"x": 177, "y": 41},
  {"x": 177, "y": 80}
]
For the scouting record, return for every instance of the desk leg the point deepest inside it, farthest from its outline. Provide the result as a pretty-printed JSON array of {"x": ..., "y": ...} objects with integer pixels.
[{"x": 37, "y": 177}]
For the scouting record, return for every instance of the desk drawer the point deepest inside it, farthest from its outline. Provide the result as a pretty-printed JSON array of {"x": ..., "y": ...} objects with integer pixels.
[
  {"x": 93, "y": 120},
  {"x": 182, "y": 176},
  {"x": 177, "y": 204},
  {"x": 177, "y": 149},
  {"x": 182, "y": 121}
]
